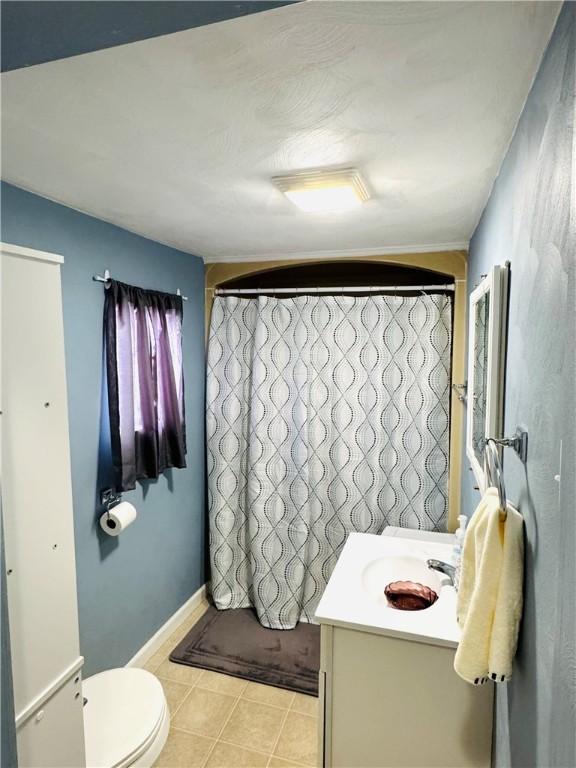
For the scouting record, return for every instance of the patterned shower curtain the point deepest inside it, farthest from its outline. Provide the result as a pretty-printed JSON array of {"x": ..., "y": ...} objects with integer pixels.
[{"x": 325, "y": 415}]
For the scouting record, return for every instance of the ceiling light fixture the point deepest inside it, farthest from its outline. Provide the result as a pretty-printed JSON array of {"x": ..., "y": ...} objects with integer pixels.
[{"x": 324, "y": 191}]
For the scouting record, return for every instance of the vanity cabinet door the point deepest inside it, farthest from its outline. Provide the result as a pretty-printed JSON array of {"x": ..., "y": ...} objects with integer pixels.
[{"x": 395, "y": 703}]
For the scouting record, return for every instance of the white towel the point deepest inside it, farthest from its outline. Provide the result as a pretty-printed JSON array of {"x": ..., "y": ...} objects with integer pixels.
[{"x": 490, "y": 593}]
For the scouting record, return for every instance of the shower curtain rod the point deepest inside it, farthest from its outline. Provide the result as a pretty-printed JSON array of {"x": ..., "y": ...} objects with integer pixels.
[{"x": 335, "y": 289}]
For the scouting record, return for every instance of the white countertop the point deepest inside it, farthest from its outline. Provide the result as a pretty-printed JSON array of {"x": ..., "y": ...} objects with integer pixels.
[{"x": 355, "y": 599}]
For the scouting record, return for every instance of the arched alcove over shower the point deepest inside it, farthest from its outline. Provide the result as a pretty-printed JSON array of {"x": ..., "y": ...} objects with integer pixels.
[
  {"x": 432, "y": 268},
  {"x": 342, "y": 274}
]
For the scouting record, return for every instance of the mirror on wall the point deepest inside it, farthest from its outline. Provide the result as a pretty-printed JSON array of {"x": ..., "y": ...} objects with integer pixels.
[{"x": 486, "y": 364}]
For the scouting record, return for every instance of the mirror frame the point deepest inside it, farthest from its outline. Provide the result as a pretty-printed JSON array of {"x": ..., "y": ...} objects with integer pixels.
[{"x": 496, "y": 285}]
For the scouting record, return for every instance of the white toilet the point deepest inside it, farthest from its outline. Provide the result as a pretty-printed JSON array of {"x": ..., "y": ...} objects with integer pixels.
[{"x": 126, "y": 718}]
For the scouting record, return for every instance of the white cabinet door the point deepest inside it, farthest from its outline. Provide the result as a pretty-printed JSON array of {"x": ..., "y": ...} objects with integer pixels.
[{"x": 37, "y": 495}]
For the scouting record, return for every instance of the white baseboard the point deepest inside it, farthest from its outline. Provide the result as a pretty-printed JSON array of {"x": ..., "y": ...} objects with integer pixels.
[{"x": 159, "y": 638}]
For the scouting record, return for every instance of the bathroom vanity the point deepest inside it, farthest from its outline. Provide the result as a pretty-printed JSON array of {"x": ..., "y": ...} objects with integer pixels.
[{"x": 389, "y": 695}]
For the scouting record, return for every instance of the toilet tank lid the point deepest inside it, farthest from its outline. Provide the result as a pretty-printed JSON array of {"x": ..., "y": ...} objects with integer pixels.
[{"x": 123, "y": 712}]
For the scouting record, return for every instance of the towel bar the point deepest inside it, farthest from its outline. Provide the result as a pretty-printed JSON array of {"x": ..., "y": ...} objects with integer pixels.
[
  {"x": 519, "y": 442},
  {"x": 493, "y": 466}
]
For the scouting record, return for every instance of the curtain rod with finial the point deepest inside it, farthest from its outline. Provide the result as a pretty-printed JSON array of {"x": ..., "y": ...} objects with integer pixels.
[{"x": 106, "y": 277}]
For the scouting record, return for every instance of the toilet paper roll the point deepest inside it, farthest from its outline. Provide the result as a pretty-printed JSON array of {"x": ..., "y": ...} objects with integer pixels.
[{"x": 118, "y": 518}]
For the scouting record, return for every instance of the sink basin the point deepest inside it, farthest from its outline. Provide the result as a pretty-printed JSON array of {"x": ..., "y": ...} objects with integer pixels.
[
  {"x": 380, "y": 572},
  {"x": 354, "y": 597}
]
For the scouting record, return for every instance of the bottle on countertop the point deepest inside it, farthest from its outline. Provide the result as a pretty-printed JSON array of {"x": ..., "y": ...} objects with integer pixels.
[{"x": 457, "y": 551}]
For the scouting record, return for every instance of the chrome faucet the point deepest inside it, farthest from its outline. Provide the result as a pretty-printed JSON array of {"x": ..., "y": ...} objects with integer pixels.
[{"x": 445, "y": 568}]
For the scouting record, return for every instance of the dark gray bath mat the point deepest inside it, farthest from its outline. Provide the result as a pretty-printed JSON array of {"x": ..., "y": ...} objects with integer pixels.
[{"x": 235, "y": 643}]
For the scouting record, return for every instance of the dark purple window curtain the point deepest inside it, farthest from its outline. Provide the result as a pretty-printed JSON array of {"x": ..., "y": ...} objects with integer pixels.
[{"x": 143, "y": 331}]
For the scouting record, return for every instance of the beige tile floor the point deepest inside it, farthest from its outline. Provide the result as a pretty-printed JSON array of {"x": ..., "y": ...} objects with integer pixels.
[{"x": 224, "y": 722}]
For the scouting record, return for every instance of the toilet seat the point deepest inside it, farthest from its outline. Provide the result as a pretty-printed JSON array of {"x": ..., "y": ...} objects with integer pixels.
[{"x": 126, "y": 718}]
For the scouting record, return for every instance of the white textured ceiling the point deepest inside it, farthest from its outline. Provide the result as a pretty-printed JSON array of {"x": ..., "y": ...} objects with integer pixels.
[{"x": 177, "y": 137}]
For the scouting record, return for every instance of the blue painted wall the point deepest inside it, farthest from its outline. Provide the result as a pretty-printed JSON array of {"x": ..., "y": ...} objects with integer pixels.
[
  {"x": 127, "y": 587},
  {"x": 37, "y": 31},
  {"x": 527, "y": 220}
]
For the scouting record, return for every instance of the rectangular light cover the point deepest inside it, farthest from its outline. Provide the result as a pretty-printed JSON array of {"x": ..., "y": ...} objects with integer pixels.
[{"x": 324, "y": 191}]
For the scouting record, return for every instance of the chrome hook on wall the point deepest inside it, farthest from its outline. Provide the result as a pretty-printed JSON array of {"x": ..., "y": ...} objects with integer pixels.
[{"x": 461, "y": 391}]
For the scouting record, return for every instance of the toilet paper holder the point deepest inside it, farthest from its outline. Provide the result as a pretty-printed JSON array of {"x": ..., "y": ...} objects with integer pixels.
[
  {"x": 117, "y": 514},
  {"x": 109, "y": 498}
]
